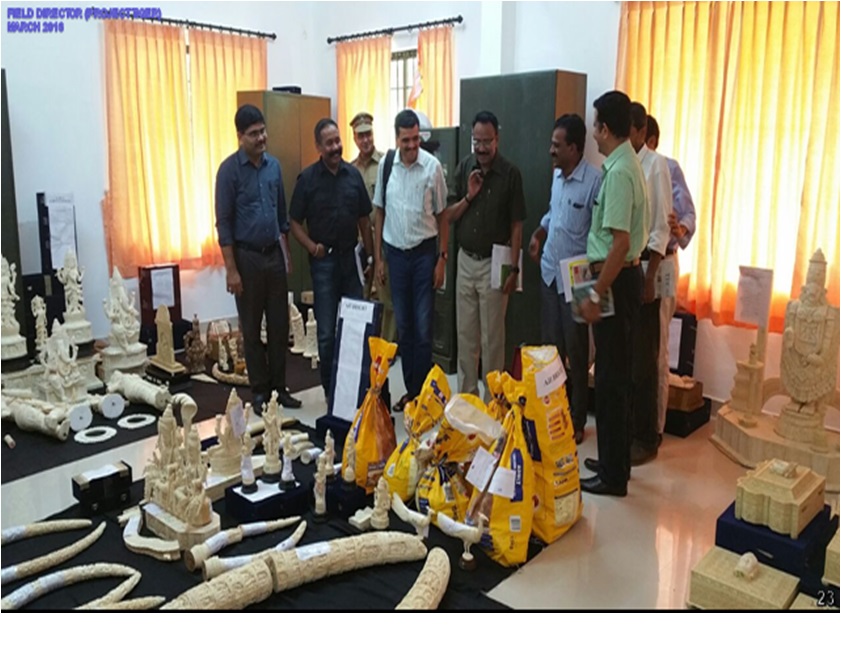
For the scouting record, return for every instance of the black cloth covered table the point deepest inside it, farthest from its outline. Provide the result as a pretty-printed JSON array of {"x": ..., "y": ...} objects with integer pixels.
[
  {"x": 35, "y": 452},
  {"x": 375, "y": 588}
]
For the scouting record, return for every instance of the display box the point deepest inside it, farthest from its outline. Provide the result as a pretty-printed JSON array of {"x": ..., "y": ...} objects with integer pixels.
[
  {"x": 802, "y": 557},
  {"x": 345, "y": 500},
  {"x": 268, "y": 503},
  {"x": 686, "y": 399},
  {"x": 683, "y": 424},
  {"x": 160, "y": 284},
  {"x": 103, "y": 489}
]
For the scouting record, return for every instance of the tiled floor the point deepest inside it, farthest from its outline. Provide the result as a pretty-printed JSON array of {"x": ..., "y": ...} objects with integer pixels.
[{"x": 634, "y": 552}]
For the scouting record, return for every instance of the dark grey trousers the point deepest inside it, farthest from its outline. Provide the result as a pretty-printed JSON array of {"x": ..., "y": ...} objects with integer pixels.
[
  {"x": 264, "y": 290},
  {"x": 573, "y": 342}
]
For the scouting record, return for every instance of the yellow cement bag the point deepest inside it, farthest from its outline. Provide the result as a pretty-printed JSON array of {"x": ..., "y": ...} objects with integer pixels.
[
  {"x": 550, "y": 439},
  {"x": 423, "y": 414},
  {"x": 498, "y": 406},
  {"x": 443, "y": 489},
  {"x": 506, "y": 495},
  {"x": 371, "y": 437},
  {"x": 454, "y": 446}
]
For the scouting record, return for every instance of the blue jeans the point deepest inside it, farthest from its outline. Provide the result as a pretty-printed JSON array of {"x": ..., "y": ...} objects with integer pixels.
[
  {"x": 333, "y": 276},
  {"x": 411, "y": 273}
]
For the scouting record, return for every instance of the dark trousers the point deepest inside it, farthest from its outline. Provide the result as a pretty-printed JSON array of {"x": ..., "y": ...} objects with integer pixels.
[
  {"x": 646, "y": 377},
  {"x": 573, "y": 342},
  {"x": 614, "y": 337},
  {"x": 333, "y": 276},
  {"x": 264, "y": 291},
  {"x": 411, "y": 273}
]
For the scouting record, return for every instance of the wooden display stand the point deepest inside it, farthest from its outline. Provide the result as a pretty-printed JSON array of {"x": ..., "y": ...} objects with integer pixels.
[
  {"x": 713, "y": 585},
  {"x": 803, "y": 602},
  {"x": 830, "y": 572},
  {"x": 686, "y": 399},
  {"x": 786, "y": 503}
]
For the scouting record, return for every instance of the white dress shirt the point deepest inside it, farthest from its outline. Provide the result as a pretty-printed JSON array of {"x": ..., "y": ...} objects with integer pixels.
[
  {"x": 659, "y": 185},
  {"x": 416, "y": 194}
]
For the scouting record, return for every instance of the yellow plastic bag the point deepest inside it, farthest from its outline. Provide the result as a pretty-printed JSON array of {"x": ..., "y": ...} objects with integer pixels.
[
  {"x": 443, "y": 489},
  {"x": 549, "y": 435},
  {"x": 510, "y": 518},
  {"x": 424, "y": 413},
  {"x": 371, "y": 436},
  {"x": 498, "y": 406}
]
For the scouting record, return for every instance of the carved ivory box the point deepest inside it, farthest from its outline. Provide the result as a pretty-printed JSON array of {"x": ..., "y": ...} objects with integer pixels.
[
  {"x": 830, "y": 571},
  {"x": 715, "y": 585},
  {"x": 784, "y": 496}
]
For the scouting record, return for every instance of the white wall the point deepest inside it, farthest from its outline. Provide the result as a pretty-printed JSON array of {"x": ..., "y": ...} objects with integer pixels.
[{"x": 56, "y": 107}]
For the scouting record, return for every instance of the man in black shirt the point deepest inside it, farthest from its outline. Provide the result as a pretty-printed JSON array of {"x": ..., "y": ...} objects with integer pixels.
[{"x": 331, "y": 197}]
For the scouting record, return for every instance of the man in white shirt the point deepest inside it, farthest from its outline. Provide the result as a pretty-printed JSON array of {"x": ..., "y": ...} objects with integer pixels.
[
  {"x": 409, "y": 217},
  {"x": 646, "y": 437}
]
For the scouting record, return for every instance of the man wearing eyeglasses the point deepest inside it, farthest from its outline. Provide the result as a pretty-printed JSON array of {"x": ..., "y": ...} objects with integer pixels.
[
  {"x": 490, "y": 207},
  {"x": 252, "y": 227}
]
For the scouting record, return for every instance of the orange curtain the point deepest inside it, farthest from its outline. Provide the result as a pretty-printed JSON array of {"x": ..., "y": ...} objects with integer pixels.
[
  {"x": 221, "y": 64},
  {"x": 362, "y": 72},
  {"x": 746, "y": 95},
  {"x": 148, "y": 209},
  {"x": 436, "y": 65}
]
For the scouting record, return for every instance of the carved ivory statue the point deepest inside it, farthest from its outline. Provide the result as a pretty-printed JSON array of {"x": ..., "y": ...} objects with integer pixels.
[
  {"x": 120, "y": 310},
  {"x": 272, "y": 419},
  {"x": 9, "y": 298},
  {"x": 320, "y": 486},
  {"x": 225, "y": 456},
  {"x": 70, "y": 275},
  {"x": 330, "y": 453},
  {"x": 296, "y": 327},
  {"x": 164, "y": 357},
  {"x": 196, "y": 349},
  {"x": 62, "y": 380},
  {"x": 382, "y": 503},
  {"x": 809, "y": 360},
  {"x": 39, "y": 311}
]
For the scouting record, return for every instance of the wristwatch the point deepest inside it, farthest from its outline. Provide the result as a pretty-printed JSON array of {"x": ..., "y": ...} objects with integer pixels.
[
  {"x": 595, "y": 299},
  {"x": 514, "y": 268},
  {"x": 370, "y": 260},
  {"x": 443, "y": 255}
]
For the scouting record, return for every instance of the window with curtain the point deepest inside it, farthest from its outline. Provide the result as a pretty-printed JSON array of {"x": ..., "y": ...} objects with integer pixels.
[
  {"x": 404, "y": 75},
  {"x": 746, "y": 96},
  {"x": 170, "y": 124}
]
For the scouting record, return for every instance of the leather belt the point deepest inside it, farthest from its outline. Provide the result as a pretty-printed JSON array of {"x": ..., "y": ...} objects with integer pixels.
[
  {"x": 475, "y": 256},
  {"x": 597, "y": 266},
  {"x": 260, "y": 249}
]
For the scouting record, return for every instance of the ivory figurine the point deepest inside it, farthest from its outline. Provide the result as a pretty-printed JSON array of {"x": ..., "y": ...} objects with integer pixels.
[
  {"x": 225, "y": 456},
  {"x": 349, "y": 471},
  {"x": 287, "y": 476},
  {"x": 417, "y": 520},
  {"x": 36, "y": 416},
  {"x": 70, "y": 275},
  {"x": 469, "y": 535},
  {"x": 809, "y": 361},
  {"x": 311, "y": 339},
  {"x": 272, "y": 434},
  {"x": 195, "y": 348},
  {"x": 382, "y": 503},
  {"x": 296, "y": 327},
  {"x": 249, "y": 482},
  {"x": 13, "y": 343},
  {"x": 330, "y": 450},
  {"x": 135, "y": 389},
  {"x": 164, "y": 357},
  {"x": 124, "y": 318},
  {"x": 320, "y": 489},
  {"x": 62, "y": 381},
  {"x": 39, "y": 311}
]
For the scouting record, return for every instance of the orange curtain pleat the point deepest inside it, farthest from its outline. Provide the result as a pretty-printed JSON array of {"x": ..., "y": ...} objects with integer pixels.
[
  {"x": 221, "y": 64},
  {"x": 362, "y": 73},
  {"x": 436, "y": 66},
  {"x": 746, "y": 95}
]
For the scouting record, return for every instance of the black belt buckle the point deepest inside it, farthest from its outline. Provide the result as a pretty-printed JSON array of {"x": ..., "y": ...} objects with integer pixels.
[
  {"x": 475, "y": 256},
  {"x": 265, "y": 249}
]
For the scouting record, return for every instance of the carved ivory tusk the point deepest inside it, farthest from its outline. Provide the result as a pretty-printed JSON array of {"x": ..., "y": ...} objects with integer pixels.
[
  {"x": 431, "y": 584},
  {"x": 12, "y": 534},
  {"x": 216, "y": 566}
]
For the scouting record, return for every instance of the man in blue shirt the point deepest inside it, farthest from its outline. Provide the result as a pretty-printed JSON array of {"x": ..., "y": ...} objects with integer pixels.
[
  {"x": 331, "y": 197},
  {"x": 565, "y": 227},
  {"x": 682, "y": 227},
  {"x": 252, "y": 227}
]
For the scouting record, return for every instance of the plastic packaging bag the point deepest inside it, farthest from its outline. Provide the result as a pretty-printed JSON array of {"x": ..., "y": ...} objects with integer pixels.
[
  {"x": 550, "y": 439},
  {"x": 371, "y": 436},
  {"x": 422, "y": 415},
  {"x": 498, "y": 406}
]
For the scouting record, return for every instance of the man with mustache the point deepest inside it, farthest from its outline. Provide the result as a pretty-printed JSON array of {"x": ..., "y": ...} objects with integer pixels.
[
  {"x": 330, "y": 196},
  {"x": 252, "y": 227},
  {"x": 490, "y": 207}
]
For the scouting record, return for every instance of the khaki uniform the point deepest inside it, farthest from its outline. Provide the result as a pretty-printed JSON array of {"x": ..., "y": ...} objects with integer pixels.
[{"x": 372, "y": 292}]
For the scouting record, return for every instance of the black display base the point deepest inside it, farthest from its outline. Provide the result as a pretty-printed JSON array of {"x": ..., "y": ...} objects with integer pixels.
[
  {"x": 250, "y": 489},
  {"x": 85, "y": 350},
  {"x": 104, "y": 493},
  {"x": 17, "y": 364},
  {"x": 278, "y": 504},
  {"x": 270, "y": 478},
  {"x": 683, "y": 424},
  {"x": 179, "y": 382},
  {"x": 344, "y": 500}
]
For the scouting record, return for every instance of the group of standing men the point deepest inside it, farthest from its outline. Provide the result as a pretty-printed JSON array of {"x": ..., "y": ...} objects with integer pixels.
[{"x": 637, "y": 208}]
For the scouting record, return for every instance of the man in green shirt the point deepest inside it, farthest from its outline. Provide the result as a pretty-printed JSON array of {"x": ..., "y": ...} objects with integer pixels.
[
  {"x": 490, "y": 207},
  {"x": 617, "y": 237}
]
